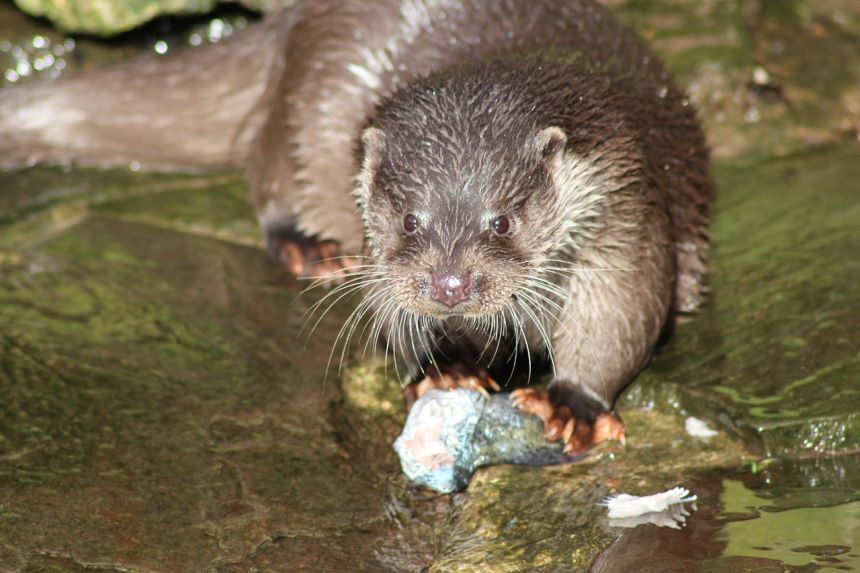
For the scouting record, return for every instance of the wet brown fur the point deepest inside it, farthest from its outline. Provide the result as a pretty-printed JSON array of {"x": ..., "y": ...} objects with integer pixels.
[{"x": 545, "y": 110}]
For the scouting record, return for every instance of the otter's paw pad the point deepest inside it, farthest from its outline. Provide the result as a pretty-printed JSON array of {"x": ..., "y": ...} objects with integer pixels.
[
  {"x": 560, "y": 423},
  {"x": 306, "y": 258},
  {"x": 450, "y": 377}
]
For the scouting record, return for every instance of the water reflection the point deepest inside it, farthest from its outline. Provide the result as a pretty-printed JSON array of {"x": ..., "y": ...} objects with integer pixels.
[{"x": 785, "y": 515}]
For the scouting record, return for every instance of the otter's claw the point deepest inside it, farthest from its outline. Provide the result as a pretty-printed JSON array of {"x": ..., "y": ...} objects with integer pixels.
[
  {"x": 450, "y": 377},
  {"x": 560, "y": 423},
  {"x": 306, "y": 258}
]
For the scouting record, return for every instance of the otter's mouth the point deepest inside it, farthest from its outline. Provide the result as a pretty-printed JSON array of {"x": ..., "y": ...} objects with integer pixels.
[
  {"x": 441, "y": 312},
  {"x": 444, "y": 314}
]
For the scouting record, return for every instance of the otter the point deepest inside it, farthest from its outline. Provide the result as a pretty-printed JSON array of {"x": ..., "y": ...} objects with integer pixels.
[{"x": 501, "y": 179}]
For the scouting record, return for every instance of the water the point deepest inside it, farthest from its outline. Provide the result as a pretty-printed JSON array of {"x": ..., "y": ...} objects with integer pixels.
[{"x": 786, "y": 516}]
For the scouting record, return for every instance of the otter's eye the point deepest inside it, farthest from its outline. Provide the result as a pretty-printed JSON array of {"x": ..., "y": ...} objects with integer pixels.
[
  {"x": 410, "y": 224},
  {"x": 501, "y": 225}
]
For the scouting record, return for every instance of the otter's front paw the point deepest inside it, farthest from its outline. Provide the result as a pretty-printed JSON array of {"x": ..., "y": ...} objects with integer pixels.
[
  {"x": 450, "y": 377},
  {"x": 560, "y": 423},
  {"x": 307, "y": 258}
]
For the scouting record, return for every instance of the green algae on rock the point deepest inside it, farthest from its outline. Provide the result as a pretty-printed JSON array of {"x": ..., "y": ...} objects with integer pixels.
[
  {"x": 109, "y": 17},
  {"x": 157, "y": 402},
  {"x": 38, "y": 203}
]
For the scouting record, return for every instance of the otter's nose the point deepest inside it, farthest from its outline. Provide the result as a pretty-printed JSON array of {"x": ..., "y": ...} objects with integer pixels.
[{"x": 449, "y": 287}]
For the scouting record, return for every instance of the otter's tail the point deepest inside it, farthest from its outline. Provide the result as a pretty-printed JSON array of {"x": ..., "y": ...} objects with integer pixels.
[{"x": 192, "y": 110}]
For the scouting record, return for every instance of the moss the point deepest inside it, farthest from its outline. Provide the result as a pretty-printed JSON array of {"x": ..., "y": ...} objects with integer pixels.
[{"x": 109, "y": 17}]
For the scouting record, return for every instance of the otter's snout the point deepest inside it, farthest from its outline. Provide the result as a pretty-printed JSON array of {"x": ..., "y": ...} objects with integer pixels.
[{"x": 450, "y": 287}]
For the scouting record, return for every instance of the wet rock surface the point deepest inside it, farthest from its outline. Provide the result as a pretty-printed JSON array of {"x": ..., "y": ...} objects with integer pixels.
[
  {"x": 775, "y": 355},
  {"x": 162, "y": 408}
]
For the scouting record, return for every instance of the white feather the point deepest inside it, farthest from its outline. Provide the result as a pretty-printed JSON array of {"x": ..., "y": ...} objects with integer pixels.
[
  {"x": 699, "y": 428},
  {"x": 626, "y": 505}
]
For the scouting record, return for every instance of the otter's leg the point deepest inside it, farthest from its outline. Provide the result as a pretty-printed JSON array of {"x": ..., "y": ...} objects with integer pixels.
[
  {"x": 307, "y": 213},
  {"x": 450, "y": 377},
  {"x": 307, "y": 245},
  {"x": 606, "y": 335}
]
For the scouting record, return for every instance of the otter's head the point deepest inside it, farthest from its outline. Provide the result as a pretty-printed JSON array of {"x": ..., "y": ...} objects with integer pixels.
[{"x": 467, "y": 197}]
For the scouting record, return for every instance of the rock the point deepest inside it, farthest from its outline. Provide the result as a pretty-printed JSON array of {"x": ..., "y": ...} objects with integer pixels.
[
  {"x": 109, "y": 17},
  {"x": 448, "y": 435}
]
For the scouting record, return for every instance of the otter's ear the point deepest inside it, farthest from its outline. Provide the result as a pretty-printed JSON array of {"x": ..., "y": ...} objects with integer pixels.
[
  {"x": 550, "y": 143},
  {"x": 372, "y": 145}
]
